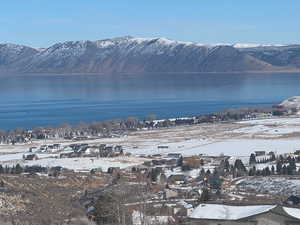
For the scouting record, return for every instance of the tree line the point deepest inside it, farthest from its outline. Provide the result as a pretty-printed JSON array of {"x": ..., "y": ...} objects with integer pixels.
[{"x": 121, "y": 126}]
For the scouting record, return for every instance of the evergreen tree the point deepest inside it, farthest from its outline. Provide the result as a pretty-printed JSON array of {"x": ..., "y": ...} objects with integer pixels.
[
  {"x": 204, "y": 195},
  {"x": 202, "y": 172},
  {"x": 289, "y": 170},
  {"x": 239, "y": 165},
  {"x": 18, "y": 169},
  {"x": 268, "y": 172},
  {"x": 273, "y": 170},
  {"x": 284, "y": 170},
  {"x": 208, "y": 173},
  {"x": 6, "y": 170},
  {"x": 180, "y": 161},
  {"x": 279, "y": 167},
  {"x": 252, "y": 159}
]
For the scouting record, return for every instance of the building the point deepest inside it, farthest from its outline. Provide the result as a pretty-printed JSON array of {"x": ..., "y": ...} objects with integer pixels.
[
  {"x": 260, "y": 153},
  {"x": 176, "y": 179},
  {"x": 218, "y": 214},
  {"x": 139, "y": 218},
  {"x": 297, "y": 152},
  {"x": 30, "y": 157},
  {"x": 174, "y": 155}
]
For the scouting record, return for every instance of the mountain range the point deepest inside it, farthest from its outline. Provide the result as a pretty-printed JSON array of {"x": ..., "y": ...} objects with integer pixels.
[{"x": 147, "y": 55}]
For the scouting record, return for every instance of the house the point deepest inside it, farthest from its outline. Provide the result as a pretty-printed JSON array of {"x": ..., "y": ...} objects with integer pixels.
[
  {"x": 69, "y": 155},
  {"x": 193, "y": 162},
  {"x": 157, "y": 162},
  {"x": 169, "y": 194},
  {"x": 176, "y": 178},
  {"x": 260, "y": 153},
  {"x": 139, "y": 218},
  {"x": 102, "y": 147},
  {"x": 32, "y": 149},
  {"x": 112, "y": 170},
  {"x": 171, "y": 162},
  {"x": 30, "y": 157},
  {"x": 297, "y": 152},
  {"x": 57, "y": 146},
  {"x": 43, "y": 148},
  {"x": 174, "y": 155},
  {"x": 183, "y": 209},
  {"x": 219, "y": 214},
  {"x": 54, "y": 171},
  {"x": 118, "y": 148},
  {"x": 161, "y": 179},
  {"x": 162, "y": 146},
  {"x": 109, "y": 148}
]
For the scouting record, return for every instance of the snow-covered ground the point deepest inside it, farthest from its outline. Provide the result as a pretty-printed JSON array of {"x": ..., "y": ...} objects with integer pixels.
[
  {"x": 231, "y": 147},
  {"x": 274, "y": 121},
  {"x": 87, "y": 163},
  {"x": 19, "y": 156}
]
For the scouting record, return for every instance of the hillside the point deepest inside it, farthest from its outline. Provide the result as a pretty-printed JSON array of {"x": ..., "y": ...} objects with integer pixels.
[{"x": 146, "y": 55}]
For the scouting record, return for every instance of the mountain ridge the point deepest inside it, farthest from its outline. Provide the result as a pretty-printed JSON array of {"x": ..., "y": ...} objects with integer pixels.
[{"x": 147, "y": 55}]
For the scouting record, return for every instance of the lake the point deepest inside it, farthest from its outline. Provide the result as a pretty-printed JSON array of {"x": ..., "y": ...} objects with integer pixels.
[{"x": 47, "y": 100}]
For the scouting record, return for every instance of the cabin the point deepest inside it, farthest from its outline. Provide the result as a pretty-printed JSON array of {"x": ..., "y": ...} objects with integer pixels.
[{"x": 220, "y": 214}]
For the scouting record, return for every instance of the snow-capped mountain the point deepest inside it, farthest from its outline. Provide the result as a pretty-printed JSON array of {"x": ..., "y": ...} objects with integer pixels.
[{"x": 145, "y": 55}]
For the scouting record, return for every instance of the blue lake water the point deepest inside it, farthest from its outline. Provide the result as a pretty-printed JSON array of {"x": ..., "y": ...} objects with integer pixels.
[{"x": 48, "y": 100}]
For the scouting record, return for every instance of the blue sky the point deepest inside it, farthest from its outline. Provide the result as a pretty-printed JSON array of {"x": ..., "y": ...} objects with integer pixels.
[{"x": 40, "y": 23}]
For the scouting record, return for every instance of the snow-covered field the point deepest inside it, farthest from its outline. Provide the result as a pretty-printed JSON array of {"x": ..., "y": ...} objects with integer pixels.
[
  {"x": 238, "y": 140},
  {"x": 274, "y": 121},
  {"x": 86, "y": 164}
]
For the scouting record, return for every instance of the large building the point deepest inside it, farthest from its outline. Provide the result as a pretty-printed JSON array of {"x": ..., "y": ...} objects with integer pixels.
[{"x": 217, "y": 214}]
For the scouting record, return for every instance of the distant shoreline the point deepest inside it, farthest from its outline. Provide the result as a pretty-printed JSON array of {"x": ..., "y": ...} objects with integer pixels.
[{"x": 143, "y": 73}]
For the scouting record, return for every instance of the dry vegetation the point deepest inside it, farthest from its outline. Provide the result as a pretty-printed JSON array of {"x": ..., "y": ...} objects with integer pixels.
[{"x": 44, "y": 200}]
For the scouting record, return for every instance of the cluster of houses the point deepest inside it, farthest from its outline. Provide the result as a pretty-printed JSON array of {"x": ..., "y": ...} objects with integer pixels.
[
  {"x": 180, "y": 186},
  {"x": 86, "y": 150},
  {"x": 76, "y": 150},
  {"x": 185, "y": 189}
]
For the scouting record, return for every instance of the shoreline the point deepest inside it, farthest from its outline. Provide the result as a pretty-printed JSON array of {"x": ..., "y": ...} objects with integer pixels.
[{"x": 2, "y": 73}]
